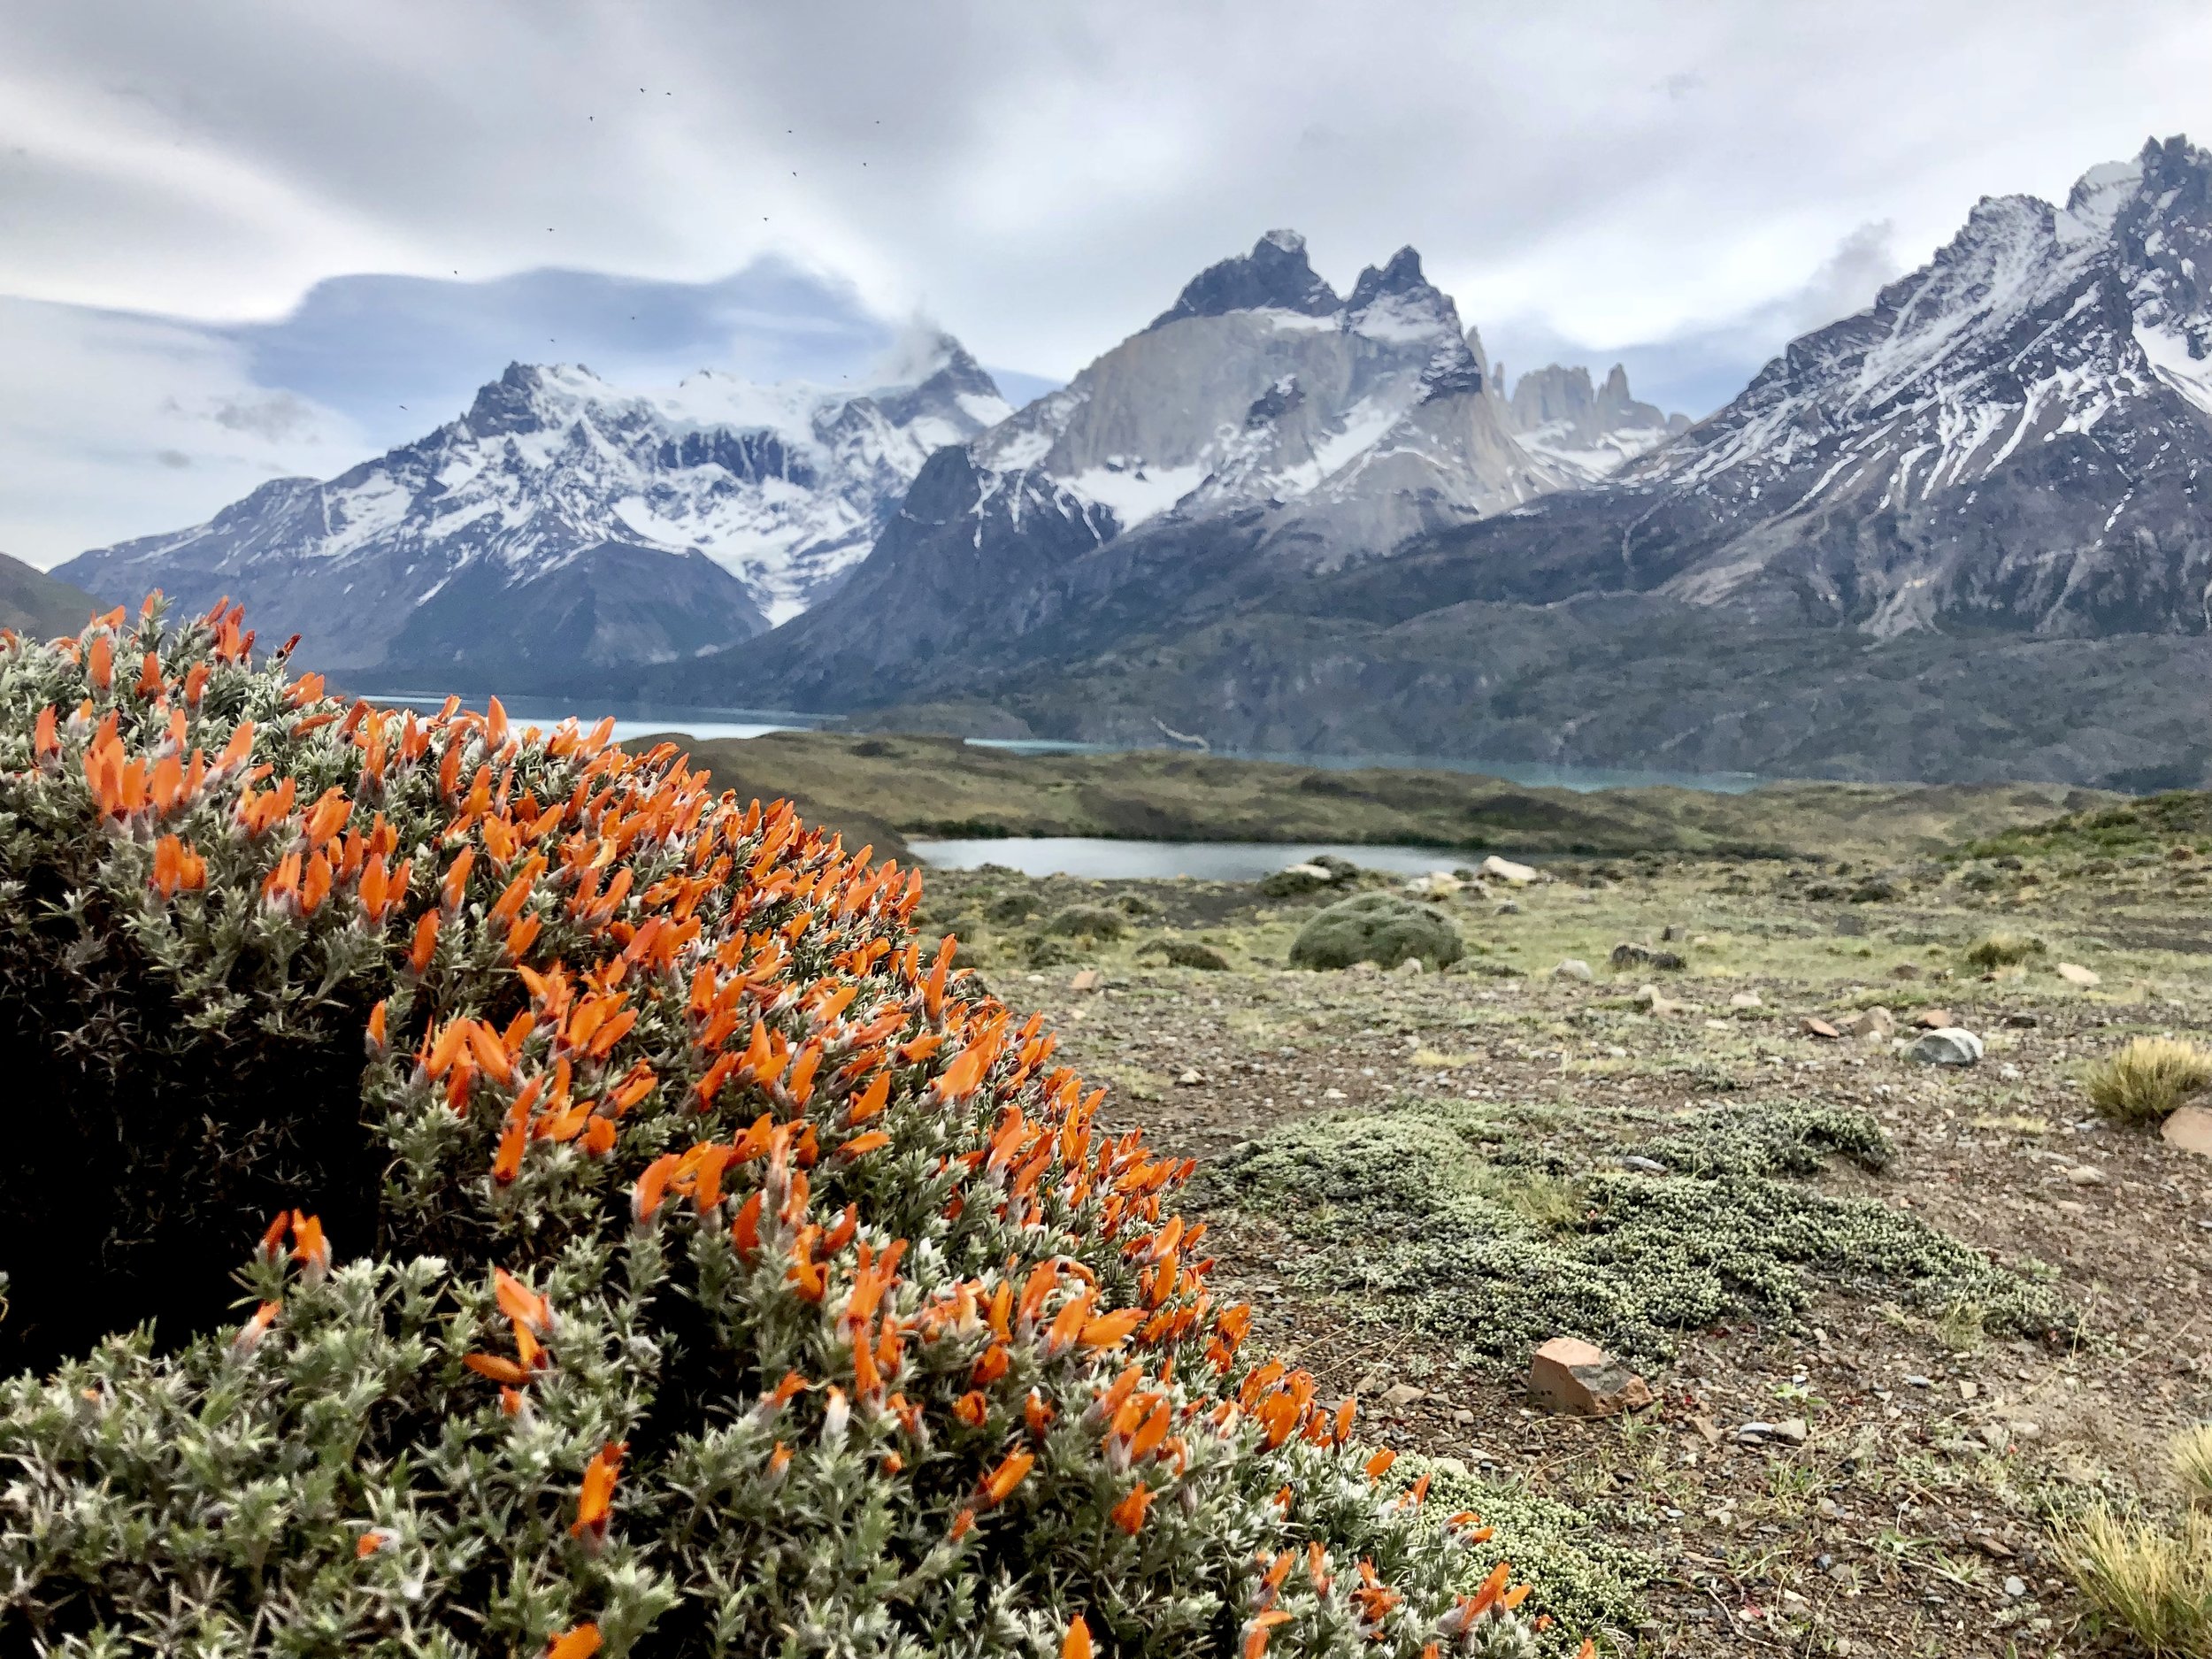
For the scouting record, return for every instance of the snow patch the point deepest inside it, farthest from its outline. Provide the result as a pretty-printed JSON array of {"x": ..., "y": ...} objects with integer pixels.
[
  {"x": 2168, "y": 349},
  {"x": 1136, "y": 492}
]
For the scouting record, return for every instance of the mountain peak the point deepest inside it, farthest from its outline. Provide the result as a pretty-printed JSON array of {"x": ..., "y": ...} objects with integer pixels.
[
  {"x": 1401, "y": 275},
  {"x": 943, "y": 374},
  {"x": 528, "y": 396},
  {"x": 1275, "y": 275}
]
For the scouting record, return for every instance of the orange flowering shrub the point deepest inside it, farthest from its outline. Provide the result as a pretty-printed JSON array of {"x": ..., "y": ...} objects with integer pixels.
[{"x": 697, "y": 1264}]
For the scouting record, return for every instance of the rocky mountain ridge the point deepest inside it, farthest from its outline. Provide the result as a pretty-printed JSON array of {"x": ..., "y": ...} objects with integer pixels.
[
  {"x": 1961, "y": 533},
  {"x": 561, "y": 521},
  {"x": 1261, "y": 429}
]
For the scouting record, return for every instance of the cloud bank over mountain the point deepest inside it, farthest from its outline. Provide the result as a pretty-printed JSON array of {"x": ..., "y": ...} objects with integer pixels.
[{"x": 1665, "y": 189}]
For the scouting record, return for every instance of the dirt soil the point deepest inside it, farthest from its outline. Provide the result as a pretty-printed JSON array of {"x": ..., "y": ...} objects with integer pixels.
[{"x": 1912, "y": 1519}]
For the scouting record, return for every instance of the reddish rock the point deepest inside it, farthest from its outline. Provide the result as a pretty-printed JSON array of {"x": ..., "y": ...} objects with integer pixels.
[
  {"x": 1567, "y": 1374},
  {"x": 2190, "y": 1128},
  {"x": 1813, "y": 1027},
  {"x": 1932, "y": 1019}
]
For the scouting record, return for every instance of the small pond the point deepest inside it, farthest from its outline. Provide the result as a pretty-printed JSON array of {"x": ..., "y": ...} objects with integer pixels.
[{"x": 1097, "y": 858}]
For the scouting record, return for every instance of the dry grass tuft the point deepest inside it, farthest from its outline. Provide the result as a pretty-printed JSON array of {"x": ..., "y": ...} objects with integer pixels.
[
  {"x": 2192, "y": 1464},
  {"x": 2001, "y": 950},
  {"x": 2147, "y": 1078},
  {"x": 2155, "y": 1583}
]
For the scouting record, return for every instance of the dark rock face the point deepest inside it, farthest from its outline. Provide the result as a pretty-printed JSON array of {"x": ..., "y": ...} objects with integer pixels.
[
  {"x": 959, "y": 557},
  {"x": 1274, "y": 274},
  {"x": 1401, "y": 275},
  {"x": 611, "y": 605}
]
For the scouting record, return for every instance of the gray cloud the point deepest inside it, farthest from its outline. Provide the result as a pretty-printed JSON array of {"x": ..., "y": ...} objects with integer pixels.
[
  {"x": 1039, "y": 180},
  {"x": 1847, "y": 280},
  {"x": 278, "y": 416}
]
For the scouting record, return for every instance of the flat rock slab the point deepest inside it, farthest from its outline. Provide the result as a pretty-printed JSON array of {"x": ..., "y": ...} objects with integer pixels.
[
  {"x": 2190, "y": 1128},
  {"x": 1567, "y": 1374}
]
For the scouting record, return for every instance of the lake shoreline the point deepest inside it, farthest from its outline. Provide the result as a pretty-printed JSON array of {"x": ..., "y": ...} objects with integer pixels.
[{"x": 883, "y": 789}]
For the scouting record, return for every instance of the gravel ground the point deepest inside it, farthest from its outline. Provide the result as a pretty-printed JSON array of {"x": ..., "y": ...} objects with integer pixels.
[{"x": 1913, "y": 1518}]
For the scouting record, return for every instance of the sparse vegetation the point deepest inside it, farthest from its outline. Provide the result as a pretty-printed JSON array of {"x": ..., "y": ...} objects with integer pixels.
[
  {"x": 2146, "y": 1079},
  {"x": 1185, "y": 953},
  {"x": 1087, "y": 921},
  {"x": 939, "y": 786}
]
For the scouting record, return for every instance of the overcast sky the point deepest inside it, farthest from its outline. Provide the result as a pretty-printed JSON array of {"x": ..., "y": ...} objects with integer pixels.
[{"x": 237, "y": 235}]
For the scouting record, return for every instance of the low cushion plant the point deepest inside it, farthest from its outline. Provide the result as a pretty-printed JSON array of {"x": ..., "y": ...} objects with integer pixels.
[{"x": 1384, "y": 928}]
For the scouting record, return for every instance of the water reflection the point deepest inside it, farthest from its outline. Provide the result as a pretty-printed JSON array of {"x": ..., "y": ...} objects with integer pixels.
[
  {"x": 634, "y": 720},
  {"x": 1099, "y": 859}
]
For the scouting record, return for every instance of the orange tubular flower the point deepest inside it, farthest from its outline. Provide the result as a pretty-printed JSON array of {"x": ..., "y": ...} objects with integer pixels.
[
  {"x": 250, "y": 1335},
  {"x": 578, "y": 1643},
  {"x": 504, "y": 1372},
  {"x": 1011, "y": 1472},
  {"x": 309, "y": 1248},
  {"x": 1129, "y": 1514},
  {"x": 595, "y": 1503},
  {"x": 1256, "y": 1630},
  {"x": 520, "y": 1303},
  {"x": 1077, "y": 1643}
]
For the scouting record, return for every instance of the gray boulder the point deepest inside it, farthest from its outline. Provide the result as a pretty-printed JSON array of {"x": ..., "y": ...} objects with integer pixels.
[{"x": 1949, "y": 1046}]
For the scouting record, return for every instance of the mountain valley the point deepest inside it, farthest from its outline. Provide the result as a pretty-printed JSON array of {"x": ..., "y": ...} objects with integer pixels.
[{"x": 1958, "y": 534}]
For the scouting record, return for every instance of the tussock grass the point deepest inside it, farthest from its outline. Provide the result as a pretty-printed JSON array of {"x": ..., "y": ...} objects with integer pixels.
[
  {"x": 2157, "y": 1584},
  {"x": 2002, "y": 950},
  {"x": 2147, "y": 1078},
  {"x": 2192, "y": 1464},
  {"x": 1554, "y": 1205}
]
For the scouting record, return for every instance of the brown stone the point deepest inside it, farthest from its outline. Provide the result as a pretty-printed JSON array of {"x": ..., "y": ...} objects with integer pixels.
[
  {"x": 1813, "y": 1027},
  {"x": 1567, "y": 1374},
  {"x": 1932, "y": 1019},
  {"x": 1086, "y": 980},
  {"x": 2190, "y": 1128},
  {"x": 1876, "y": 1021}
]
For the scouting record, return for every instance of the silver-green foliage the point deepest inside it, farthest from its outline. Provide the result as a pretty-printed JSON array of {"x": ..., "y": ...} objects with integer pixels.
[{"x": 1412, "y": 1221}]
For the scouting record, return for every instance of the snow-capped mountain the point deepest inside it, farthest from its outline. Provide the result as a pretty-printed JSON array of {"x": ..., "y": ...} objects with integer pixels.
[
  {"x": 1262, "y": 386},
  {"x": 1592, "y": 431},
  {"x": 1326, "y": 429},
  {"x": 2011, "y": 436},
  {"x": 561, "y": 519}
]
